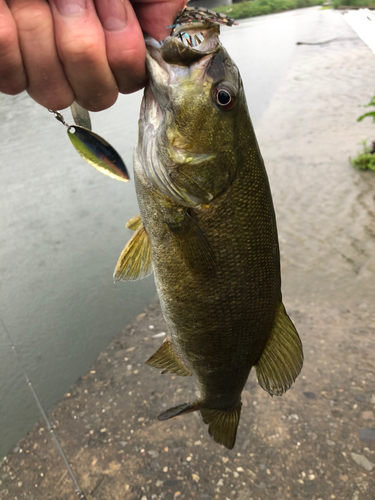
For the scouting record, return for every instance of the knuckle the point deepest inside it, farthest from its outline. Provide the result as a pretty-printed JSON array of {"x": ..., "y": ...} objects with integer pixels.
[
  {"x": 28, "y": 19},
  {"x": 86, "y": 50}
]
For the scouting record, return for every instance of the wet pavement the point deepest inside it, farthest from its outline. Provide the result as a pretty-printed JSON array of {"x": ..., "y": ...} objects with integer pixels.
[{"x": 317, "y": 442}]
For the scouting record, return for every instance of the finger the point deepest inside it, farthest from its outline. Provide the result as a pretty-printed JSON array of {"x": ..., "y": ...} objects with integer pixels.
[
  {"x": 81, "y": 46},
  {"x": 12, "y": 74},
  {"x": 155, "y": 15},
  {"x": 126, "y": 52},
  {"x": 47, "y": 83}
]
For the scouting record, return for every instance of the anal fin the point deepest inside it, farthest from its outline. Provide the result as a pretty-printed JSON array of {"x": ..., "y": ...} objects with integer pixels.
[
  {"x": 282, "y": 358},
  {"x": 166, "y": 359},
  {"x": 222, "y": 424},
  {"x": 135, "y": 260}
]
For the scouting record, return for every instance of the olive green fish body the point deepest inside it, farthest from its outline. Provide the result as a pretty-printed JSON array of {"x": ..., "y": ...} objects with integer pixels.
[
  {"x": 220, "y": 315},
  {"x": 207, "y": 229}
]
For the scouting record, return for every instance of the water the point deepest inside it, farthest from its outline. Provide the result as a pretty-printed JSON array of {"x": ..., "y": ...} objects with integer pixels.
[
  {"x": 62, "y": 224},
  {"x": 62, "y": 230}
]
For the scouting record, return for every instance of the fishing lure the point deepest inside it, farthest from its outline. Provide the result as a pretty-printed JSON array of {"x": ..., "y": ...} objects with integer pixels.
[
  {"x": 192, "y": 14},
  {"x": 190, "y": 18},
  {"x": 93, "y": 148}
]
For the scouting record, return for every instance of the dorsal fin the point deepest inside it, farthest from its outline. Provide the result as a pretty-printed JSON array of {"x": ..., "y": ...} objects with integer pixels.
[
  {"x": 135, "y": 260},
  {"x": 282, "y": 358},
  {"x": 167, "y": 359}
]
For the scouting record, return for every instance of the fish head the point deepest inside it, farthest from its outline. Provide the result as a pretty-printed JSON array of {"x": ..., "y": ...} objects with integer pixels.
[{"x": 190, "y": 114}]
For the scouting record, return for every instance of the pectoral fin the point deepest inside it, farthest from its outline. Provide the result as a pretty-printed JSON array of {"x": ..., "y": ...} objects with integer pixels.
[
  {"x": 134, "y": 223},
  {"x": 194, "y": 246},
  {"x": 282, "y": 358},
  {"x": 166, "y": 359},
  {"x": 135, "y": 260},
  {"x": 222, "y": 425}
]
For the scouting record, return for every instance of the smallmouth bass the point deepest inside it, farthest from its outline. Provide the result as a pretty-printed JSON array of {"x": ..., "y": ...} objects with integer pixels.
[{"x": 207, "y": 229}]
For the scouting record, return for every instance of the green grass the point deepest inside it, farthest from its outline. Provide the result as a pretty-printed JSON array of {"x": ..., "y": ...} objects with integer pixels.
[
  {"x": 353, "y": 3},
  {"x": 262, "y": 7},
  {"x": 365, "y": 159}
]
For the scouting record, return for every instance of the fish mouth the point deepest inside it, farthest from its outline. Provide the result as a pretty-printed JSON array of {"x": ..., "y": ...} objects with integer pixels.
[
  {"x": 184, "y": 57},
  {"x": 169, "y": 61},
  {"x": 158, "y": 70}
]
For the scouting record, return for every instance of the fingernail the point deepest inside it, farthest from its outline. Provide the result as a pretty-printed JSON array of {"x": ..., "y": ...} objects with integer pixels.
[
  {"x": 70, "y": 7},
  {"x": 112, "y": 14}
]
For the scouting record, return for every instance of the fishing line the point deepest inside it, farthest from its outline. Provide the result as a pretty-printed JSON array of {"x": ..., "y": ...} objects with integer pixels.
[{"x": 79, "y": 492}]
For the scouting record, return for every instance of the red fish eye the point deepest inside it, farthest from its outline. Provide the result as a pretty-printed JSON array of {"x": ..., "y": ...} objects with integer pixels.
[{"x": 224, "y": 98}]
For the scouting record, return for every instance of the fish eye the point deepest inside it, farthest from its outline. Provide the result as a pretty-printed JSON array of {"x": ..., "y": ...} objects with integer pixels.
[{"x": 223, "y": 98}]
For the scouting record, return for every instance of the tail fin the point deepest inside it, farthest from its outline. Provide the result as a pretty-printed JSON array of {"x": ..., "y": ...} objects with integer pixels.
[{"x": 222, "y": 425}]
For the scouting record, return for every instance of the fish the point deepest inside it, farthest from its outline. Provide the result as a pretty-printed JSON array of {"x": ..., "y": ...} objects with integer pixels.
[{"x": 207, "y": 230}]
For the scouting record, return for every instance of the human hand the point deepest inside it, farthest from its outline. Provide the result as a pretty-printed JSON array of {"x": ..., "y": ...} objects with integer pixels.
[{"x": 82, "y": 50}]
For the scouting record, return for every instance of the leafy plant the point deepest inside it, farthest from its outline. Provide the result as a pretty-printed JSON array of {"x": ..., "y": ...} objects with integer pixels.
[
  {"x": 371, "y": 113},
  {"x": 366, "y": 158}
]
